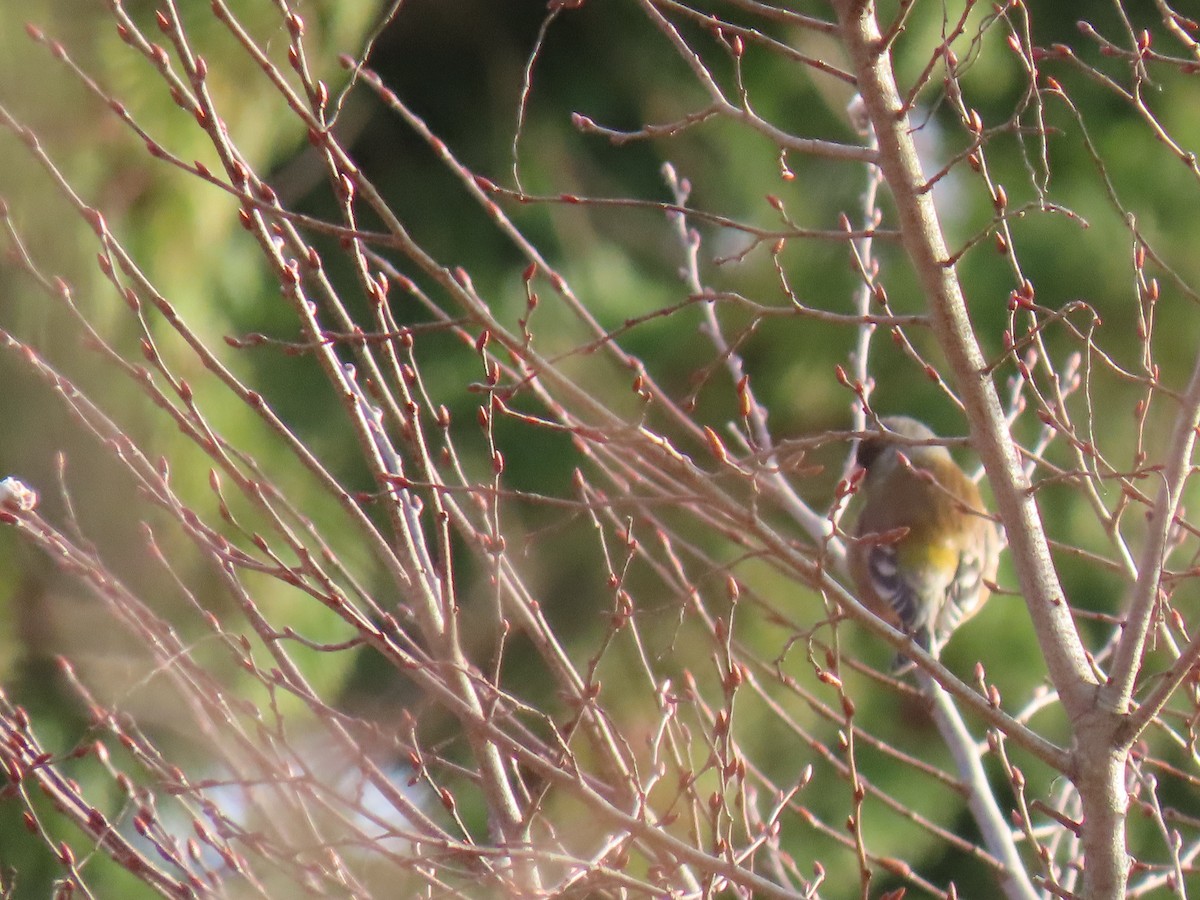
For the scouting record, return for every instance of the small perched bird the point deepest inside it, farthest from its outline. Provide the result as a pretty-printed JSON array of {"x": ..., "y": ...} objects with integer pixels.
[{"x": 928, "y": 575}]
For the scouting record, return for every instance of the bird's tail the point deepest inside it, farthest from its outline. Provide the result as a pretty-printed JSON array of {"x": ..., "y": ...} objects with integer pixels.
[{"x": 902, "y": 663}]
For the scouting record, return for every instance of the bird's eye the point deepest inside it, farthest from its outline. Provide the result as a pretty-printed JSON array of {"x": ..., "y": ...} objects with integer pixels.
[{"x": 868, "y": 452}]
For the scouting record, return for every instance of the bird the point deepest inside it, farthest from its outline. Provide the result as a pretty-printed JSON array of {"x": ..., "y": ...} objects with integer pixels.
[{"x": 924, "y": 548}]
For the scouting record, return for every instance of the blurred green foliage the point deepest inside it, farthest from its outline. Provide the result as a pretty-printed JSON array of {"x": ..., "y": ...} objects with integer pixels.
[{"x": 459, "y": 64}]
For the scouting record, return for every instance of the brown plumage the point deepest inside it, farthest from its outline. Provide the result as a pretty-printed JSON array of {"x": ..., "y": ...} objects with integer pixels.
[{"x": 929, "y": 577}]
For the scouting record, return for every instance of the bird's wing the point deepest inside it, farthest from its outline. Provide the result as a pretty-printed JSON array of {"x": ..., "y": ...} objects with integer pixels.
[
  {"x": 963, "y": 593},
  {"x": 898, "y": 593}
]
